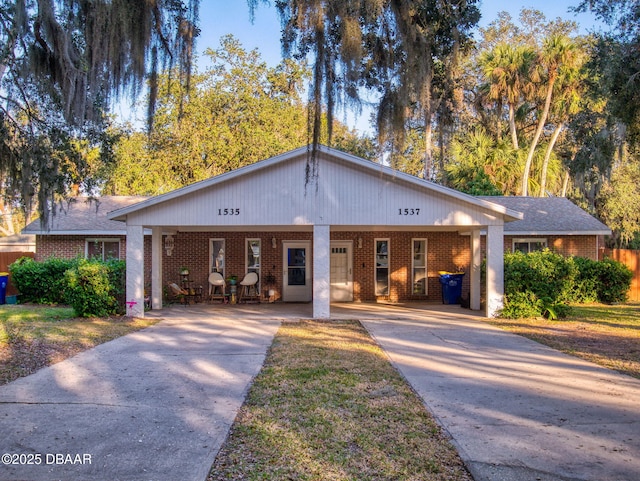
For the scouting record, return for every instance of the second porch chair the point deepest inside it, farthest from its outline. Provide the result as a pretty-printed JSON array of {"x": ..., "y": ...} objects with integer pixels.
[{"x": 249, "y": 287}]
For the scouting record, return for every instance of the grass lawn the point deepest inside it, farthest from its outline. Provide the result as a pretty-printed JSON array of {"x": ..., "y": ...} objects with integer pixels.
[
  {"x": 328, "y": 405},
  {"x": 33, "y": 336},
  {"x": 603, "y": 334}
]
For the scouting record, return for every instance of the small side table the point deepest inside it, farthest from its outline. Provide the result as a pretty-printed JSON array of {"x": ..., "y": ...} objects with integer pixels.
[{"x": 193, "y": 293}]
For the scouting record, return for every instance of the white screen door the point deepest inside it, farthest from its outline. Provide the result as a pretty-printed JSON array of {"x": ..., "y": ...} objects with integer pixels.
[{"x": 296, "y": 271}]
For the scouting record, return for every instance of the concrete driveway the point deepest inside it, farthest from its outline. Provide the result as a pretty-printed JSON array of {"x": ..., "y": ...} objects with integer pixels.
[
  {"x": 516, "y": 410},
  {"x": 154, "y": 405}
]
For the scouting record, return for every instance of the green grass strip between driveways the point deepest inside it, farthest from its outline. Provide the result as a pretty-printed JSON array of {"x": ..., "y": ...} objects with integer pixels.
[{"x": 328, "y": 405}]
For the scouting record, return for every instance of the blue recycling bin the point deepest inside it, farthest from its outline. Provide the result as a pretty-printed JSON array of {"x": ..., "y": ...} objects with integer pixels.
[
  {"x": 451, "y": 287},
  {"x": 4, "y": 280}
]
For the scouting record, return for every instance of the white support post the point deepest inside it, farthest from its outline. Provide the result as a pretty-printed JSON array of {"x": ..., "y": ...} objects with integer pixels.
[
  {"x": 476, "y": 266},
  {"x": 135, "y": 271},
  {"x": 495, "y": 270},
  {"x": 156, "y": 268},
  {"x": 321, "y": 272}
]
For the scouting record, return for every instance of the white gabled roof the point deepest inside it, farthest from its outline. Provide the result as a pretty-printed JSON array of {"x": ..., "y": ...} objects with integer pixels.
[{"x": 337, "y": 182}]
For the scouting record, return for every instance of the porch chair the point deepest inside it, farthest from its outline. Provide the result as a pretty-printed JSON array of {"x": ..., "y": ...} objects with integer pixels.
[
  {"x": 217, "y": 286},
  {"x": 249, "y": 287},
  {"x": 178, "y": 293}
]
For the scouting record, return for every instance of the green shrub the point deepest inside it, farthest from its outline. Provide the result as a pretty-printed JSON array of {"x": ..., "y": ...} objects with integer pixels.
[
  {"x": 614, "y": 281},
  {"x": 544, "y": 273},
  {"x": 519, "y": 305},
  {"x": 41, "y": 282},
  {"x": 538, "y": 284},
  {"x": 606, "y": 281},
  {"x": 586, "y": 284},
  {"x": 554, "y": 310},
  {"x": 117, "y": 279},
  {"x": 541, "y": 283},
  {"x": 89, "y": 289}
]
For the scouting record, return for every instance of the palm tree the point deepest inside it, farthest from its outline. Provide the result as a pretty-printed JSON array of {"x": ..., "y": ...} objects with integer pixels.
[
  {"x": 477, "y": 152},
  {"x": 557, "y": 51},
  {"x": 507, "y": 69},
  {"x": 570, "y": 86}
]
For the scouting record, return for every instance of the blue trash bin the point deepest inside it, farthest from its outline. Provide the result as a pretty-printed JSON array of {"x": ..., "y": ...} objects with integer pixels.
[
  {"x": 4, "y": 280},
  {"x": 451, "y": 287}
]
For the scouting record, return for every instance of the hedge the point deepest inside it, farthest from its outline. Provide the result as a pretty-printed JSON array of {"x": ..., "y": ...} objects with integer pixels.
[
  {"x": 41, "y": 282},
  {"x": 543, "y": 283},
  {"x": 91, "y": 287}
]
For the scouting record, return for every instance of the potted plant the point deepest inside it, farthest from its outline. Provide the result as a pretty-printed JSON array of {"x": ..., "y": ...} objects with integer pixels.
[
  {"x": 184, "y": 271},
  {"x": 269, "y": 283},
  {"x": 232, "y": 280}
]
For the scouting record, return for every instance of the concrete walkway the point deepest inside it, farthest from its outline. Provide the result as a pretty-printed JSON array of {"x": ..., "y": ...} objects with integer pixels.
[
  {"x": 516, "y": 410},
  {"x": 154, "y": 405}
]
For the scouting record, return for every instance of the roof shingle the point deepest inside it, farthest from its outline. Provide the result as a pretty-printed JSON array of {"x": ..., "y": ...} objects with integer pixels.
[
  {"x": 549, "y": 215},
  {"x": 85, "y": 215}
]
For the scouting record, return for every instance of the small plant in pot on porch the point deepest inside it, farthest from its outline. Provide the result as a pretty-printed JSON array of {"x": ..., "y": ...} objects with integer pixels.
[
  {"x": 232, "y": 280},
  {"x": 184, "y": 271},
  {"x": 270, "y": 283}
]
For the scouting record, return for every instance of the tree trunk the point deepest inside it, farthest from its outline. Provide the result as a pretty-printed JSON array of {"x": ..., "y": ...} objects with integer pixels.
[
  {"x": 565, "y": 183},
  {"x": 547, "y": 156},
  {"x": 536, "y": 137},
  {"x": 512, "y": 126}
]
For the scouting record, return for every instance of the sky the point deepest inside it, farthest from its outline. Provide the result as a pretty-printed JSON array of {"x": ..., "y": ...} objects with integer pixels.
[{"x": 222, "y": 17}]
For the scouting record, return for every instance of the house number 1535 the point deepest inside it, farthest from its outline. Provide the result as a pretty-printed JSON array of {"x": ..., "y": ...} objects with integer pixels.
[
  {"x": 234, "y": 211},
  {"x": 409, "y": 211}
]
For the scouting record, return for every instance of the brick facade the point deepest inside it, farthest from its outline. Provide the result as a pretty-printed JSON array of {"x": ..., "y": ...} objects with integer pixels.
[
  {"x": 446, "y": 251},
  {"x": 70, "y": 246},
  {"x": 575, "y": 245}
]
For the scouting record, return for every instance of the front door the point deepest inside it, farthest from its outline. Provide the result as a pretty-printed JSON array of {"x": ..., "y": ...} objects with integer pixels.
[
  {"x": 341, "y": 272},
  {"x": 297, "y": 271}
]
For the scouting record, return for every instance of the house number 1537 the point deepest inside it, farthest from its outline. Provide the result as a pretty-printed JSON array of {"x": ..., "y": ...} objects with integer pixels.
[
  {"x": 409, "y": 211},
  {"x": 235, "y": 211}
]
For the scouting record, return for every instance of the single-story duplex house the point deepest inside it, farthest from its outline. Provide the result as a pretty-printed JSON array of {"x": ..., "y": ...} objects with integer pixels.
[{"x": 354, "y": 231}]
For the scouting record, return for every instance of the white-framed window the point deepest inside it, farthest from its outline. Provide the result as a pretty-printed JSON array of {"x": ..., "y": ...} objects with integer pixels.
[
  {"x": 217, "y": 253},
  {"x": 252, "y": 259},
  {"x": 527, "y": 245},
  {"x": 382, "y": 267},
  {"x": 102, "y": 249},
  {"x": 419, "y": 266}
]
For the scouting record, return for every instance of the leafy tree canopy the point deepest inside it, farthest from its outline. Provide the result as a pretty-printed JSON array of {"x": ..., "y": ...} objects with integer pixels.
[
  {"x": 238, "y": 111},
  {"x": 61, "y": 62}
]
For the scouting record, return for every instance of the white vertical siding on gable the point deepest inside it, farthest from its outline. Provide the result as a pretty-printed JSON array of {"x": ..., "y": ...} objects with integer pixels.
[
  {"x": 342, "y": 194},
  {"x": 352, "y": 196},
  {"x": 269, "y": 196}
]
